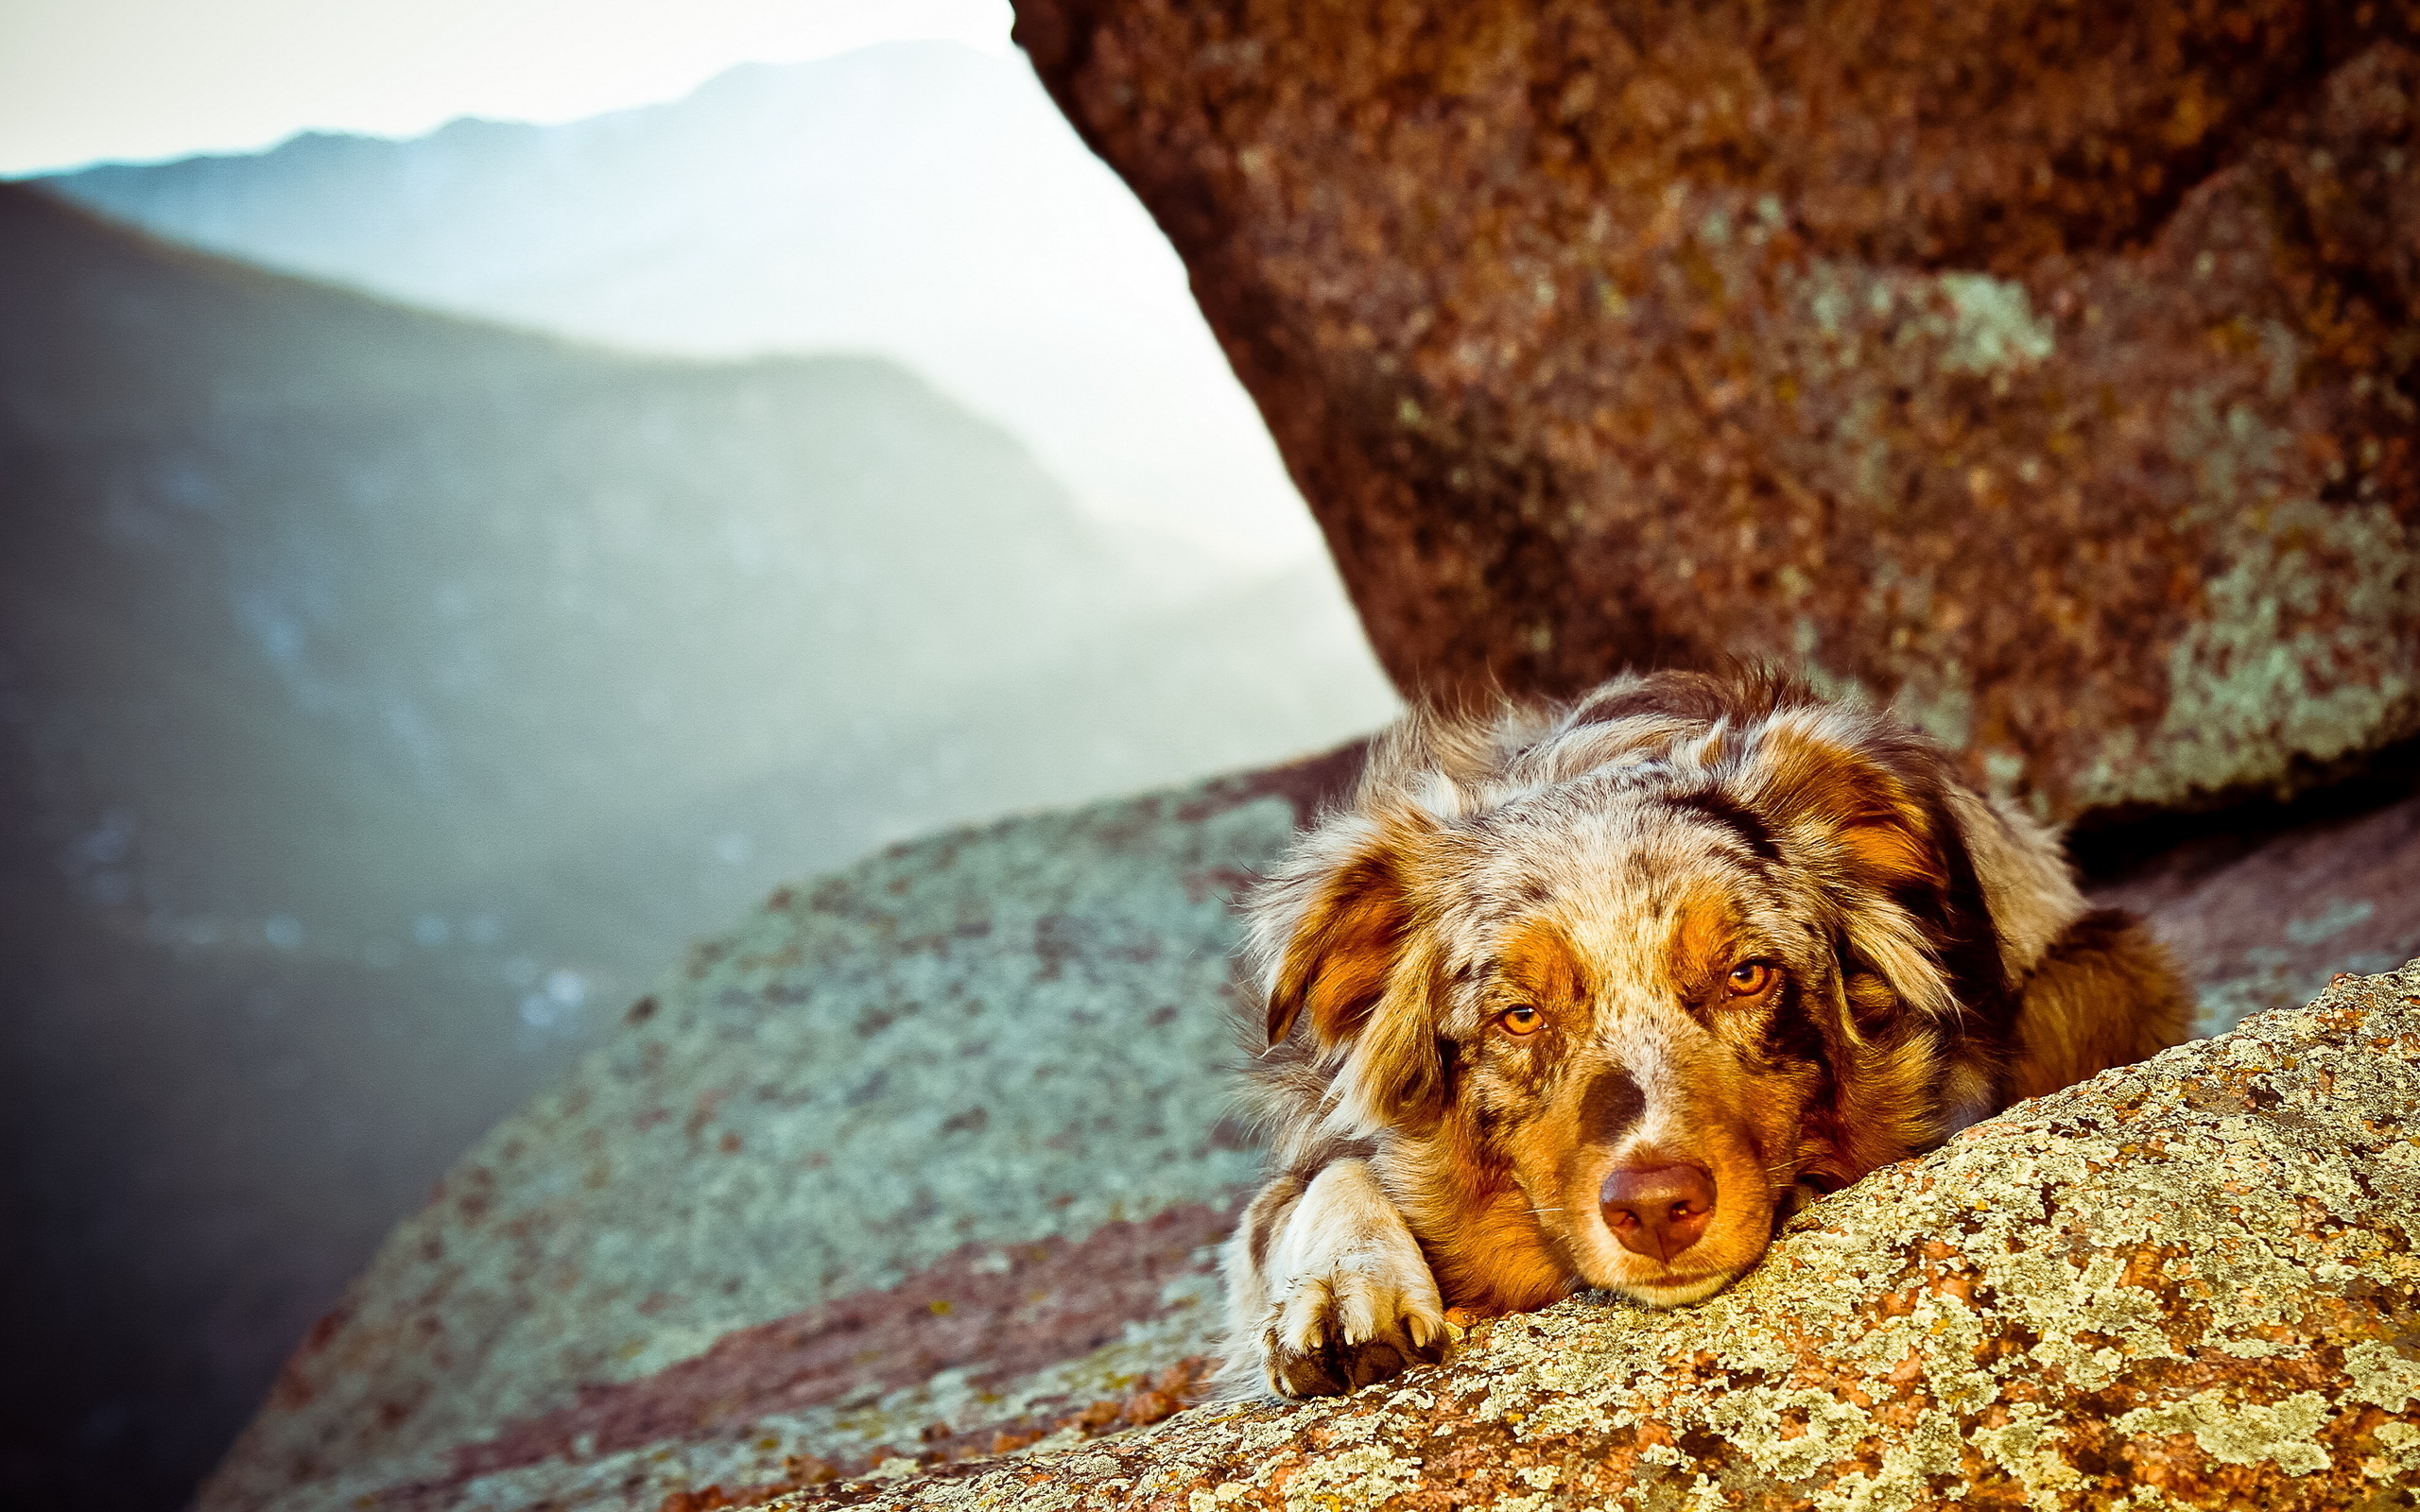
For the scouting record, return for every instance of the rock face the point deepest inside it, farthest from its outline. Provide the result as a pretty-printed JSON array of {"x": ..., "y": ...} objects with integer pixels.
[
  {"x": 924, "y": 1163},
  {"x": 2047, "y": 372},
  {"x": 2190, "y": 1283},
  {"x": 925, "y": 1154}
]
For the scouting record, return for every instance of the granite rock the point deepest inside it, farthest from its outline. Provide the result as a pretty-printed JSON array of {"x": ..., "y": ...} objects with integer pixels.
[
  {"x": 2046, "y": 371},
  {"x": 2189, "y": 1282},
  {"x": 2263, "y": 909}
]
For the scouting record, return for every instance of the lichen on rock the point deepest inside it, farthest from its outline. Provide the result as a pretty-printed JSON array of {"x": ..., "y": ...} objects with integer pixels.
[
  {"x": 738, "y": 1249},
  {"x": 936, "y": 1139},
  {"x": 2046, "y": 372},
  {"x": 2191, "y": 1282}
]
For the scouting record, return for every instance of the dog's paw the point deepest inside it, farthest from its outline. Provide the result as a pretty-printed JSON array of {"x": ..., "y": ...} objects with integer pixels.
[
  {"x": 1343, "y": 1331},
  {"x": 1351, "y": 1298}
]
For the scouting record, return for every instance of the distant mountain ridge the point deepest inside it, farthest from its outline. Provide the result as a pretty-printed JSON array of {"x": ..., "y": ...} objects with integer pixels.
[
  {"x": 918, "y": 199},
  {"x": 385, "y": 697},
  {"x": 240, "y": 470}
]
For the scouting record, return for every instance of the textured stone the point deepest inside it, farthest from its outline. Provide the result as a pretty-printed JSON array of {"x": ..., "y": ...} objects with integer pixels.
[
  {"x": 2185, "y": 1283},
  {"x": 2264, "y": 911},
  {"x": 974, "y": 1071},
  {"x": 924, "y": 1162},
  {"x": 2044, "y": 370}
]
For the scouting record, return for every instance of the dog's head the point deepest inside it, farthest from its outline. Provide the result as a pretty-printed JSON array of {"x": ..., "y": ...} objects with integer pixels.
[{"x": 1616, "y": 984}]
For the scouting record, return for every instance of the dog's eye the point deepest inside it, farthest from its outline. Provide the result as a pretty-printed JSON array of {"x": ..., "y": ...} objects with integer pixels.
[
  {"x": 1749, "y": 978},
  {"x": 1520, "y": 1021}
]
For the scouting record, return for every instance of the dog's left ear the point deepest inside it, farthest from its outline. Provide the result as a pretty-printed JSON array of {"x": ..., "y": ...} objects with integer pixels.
[
  {"x": 1346, "y": 947},
  {"x": 1861, "y": 812},
  {"x": 1834, "y": 803}
]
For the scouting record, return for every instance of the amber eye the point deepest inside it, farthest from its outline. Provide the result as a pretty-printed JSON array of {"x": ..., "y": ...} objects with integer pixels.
[
  {"x": 1520, "y": 1021},
  {"x": 1749, "y": 978}
]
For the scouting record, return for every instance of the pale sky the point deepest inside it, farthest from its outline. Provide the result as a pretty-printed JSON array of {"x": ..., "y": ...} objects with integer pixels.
[{"x": 95, "y": 81}]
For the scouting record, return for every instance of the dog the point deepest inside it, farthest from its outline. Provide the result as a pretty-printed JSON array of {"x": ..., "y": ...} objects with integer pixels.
[{"x": 1595, "y": 995}]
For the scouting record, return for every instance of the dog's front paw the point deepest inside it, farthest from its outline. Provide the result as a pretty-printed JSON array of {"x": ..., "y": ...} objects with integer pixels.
[
  {"x": 1351, "y": 1298},
  {"x": 1344, "y": 1330}
]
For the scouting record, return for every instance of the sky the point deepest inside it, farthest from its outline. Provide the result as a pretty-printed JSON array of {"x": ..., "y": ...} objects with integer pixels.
[{"x": 87, "y": 81}]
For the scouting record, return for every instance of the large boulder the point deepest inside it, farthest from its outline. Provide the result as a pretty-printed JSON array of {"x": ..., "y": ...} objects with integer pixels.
[
  {"x": 925, "y": 1161},
  {"x": 2185, "y": 1283},
  {"x": 2047, "y": 370}
]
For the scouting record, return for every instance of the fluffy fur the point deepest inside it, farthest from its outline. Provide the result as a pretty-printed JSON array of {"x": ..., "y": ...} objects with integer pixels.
[{"x": 1594, "y": 995}]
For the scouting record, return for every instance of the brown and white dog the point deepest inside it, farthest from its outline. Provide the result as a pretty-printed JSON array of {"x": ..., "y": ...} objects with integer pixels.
[{"x": 1595, "y": 995}]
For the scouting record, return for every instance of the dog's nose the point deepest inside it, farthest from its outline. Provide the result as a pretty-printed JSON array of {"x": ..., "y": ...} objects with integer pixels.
[{"x": 1658, "y": 1211}]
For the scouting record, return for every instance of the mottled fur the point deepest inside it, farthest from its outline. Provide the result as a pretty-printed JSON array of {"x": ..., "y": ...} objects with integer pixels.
[{"x": 1686, "y": 924}]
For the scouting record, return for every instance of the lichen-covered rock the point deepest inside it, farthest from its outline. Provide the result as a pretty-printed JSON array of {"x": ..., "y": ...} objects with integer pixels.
[
  {"x": 924, "y": 1163},
  {"x": 2191, "y": 1282},
  {"x": 935, "y": 1141},
  {"x": 2046, "y": 370}
]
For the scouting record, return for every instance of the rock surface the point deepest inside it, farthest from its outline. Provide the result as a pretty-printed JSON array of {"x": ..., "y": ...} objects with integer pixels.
[
  {"x": 2186, "y": 1284},
  {"x": 923, "y": 1162},
  {"x": 931, "y": 1141},
  {"x": 2264, "y": 912},
  {"x": 2046, "y": 371}
]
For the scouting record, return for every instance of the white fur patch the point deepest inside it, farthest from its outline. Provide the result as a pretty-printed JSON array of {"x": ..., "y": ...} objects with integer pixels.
[{"x": 1342, "y": 1272}]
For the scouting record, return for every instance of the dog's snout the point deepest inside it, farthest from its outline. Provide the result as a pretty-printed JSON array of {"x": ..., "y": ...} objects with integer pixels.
[{"x": 1658, "y": 1211}]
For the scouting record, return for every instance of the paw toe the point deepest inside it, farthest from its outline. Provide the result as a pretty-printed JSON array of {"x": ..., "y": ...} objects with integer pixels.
[
  {"x": 1307, "y": 1320},
  {"x": 1296, "y": 1374},
  {"x": 1340, "y": 1333},
  {"x": 1372, "y": 1362}
]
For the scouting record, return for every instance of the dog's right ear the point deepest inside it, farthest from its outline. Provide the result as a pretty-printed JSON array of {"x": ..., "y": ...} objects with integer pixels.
[
  {"x": 1348, "y": 948},
  {"x": 1341, "y": 950}
]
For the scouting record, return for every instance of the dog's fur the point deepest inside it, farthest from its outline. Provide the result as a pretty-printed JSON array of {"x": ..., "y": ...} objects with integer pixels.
[{"x": 1687, "y": 924}]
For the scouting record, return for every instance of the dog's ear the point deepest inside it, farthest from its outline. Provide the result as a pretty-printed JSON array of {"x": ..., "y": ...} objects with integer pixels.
[
  {"x": 1839, "y": 805},
  {"x": 1354, "y": 956},
  {"x": 1349, "y": 927},
  {"x": 1859, "y": 807},
  {"x": 1344, "y": 946}
]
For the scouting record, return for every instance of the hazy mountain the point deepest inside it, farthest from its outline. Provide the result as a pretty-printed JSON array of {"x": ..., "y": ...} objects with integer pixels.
[
  {"x": 384, "y": 698},
  {"x": 922, "y": 200}
]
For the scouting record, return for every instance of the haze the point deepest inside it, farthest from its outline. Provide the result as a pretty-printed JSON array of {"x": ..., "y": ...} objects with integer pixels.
[
  {"x": 96, "y": 81},
  {"x": 390, "y": 689}
]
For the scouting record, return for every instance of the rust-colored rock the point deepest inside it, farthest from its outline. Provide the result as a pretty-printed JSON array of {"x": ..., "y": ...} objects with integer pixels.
[
  {"x": 2046, "y": 370},
  {"x": 2262, "y": 912},
  {"x": 2185, "y": 1283}
]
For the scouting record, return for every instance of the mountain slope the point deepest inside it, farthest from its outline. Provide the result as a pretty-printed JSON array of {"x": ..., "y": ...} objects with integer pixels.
[
  {"x": 434, "y": 547},
  {"x": 385, "y": 698}
]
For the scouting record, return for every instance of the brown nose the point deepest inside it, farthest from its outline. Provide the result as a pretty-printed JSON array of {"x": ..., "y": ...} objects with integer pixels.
[{"x": 1658, "y": 1211}]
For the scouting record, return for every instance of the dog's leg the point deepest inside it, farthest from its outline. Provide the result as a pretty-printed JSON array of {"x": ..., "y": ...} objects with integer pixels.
[
  {"x": 1326, "y": 1289},
  {"x": 2106, "y": 994}
]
